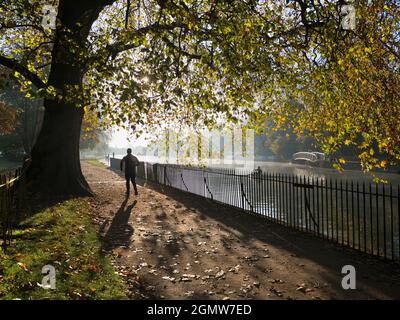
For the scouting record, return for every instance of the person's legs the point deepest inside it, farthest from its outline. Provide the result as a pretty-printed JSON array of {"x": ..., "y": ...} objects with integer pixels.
[
  {"x": 133, "y": 179},
  {"x": 128, "y": 187}
]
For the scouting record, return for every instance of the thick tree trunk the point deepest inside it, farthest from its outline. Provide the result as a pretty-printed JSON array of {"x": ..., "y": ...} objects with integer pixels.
[{"x": 55, "y": 167}]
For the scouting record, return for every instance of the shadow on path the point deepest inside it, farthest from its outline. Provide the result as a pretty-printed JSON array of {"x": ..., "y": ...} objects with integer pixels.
[
  {"x": 120, "y": 232},
  {"x": 373, "y": 275},
  {"x": 294, "y": 254}
]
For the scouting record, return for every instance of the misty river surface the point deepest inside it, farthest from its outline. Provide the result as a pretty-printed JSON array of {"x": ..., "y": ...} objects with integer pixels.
[{"x": 300, "y": 170}]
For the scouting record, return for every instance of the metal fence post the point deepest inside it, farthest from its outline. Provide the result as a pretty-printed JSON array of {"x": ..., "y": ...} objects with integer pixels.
[{"x": 242, "y": 193}]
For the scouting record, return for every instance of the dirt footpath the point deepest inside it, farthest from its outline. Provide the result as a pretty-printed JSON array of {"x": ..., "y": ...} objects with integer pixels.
[{"x": 169, "y": 244}]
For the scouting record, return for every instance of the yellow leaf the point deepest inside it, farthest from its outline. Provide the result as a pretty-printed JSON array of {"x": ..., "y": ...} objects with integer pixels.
[
  {"x": 23, "y": 266},
  {"x": 371, "y": 152}
]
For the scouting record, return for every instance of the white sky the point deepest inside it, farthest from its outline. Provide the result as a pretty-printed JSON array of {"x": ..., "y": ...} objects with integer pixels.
[{"x": 120, "y": 137}]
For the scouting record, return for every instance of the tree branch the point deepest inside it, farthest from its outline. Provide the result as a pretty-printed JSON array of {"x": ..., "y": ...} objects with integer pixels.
[
  {"x": 16, "y": 66},
  {"x": 118, "y": 47},
  {"x": 128, "y": 6},
  {"x": 180, "y": 50}
]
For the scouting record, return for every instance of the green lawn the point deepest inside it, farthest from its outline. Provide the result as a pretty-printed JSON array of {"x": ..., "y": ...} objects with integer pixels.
[{"x": 62, "y": 236}]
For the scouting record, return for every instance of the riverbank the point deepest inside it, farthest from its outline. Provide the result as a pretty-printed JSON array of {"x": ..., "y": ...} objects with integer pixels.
[{"x": 174, "y": 245}]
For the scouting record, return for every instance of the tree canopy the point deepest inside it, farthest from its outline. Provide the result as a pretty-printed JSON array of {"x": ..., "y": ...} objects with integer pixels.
[
  {"x": 347, "y": 86},
  {"x": 156, "y": 63}
]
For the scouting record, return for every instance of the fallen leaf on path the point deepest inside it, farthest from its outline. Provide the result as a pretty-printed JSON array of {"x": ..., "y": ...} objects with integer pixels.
[
  {"x": 185, "y": 279},
  {"x": 302, "y": 287},
  {"x": 276, "y": 281},
  {"x": 172, "y": 279},
  {"x": 276, "y": 291},
  {"x": 235, "y": 269},
  {"x": 220, "y": 274}
]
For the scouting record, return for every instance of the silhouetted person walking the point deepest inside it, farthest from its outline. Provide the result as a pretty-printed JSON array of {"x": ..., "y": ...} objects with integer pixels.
[{"x": 131, "y": 162}]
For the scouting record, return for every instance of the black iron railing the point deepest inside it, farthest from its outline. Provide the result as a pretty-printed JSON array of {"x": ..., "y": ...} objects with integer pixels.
[{"x": 361, "y": 215}]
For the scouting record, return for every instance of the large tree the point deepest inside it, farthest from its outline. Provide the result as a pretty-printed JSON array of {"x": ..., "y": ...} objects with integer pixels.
[
  {"x": 55, "y": 157},
  {"x": 136, "y": 61},
  {"x": 149, "y": 62}
]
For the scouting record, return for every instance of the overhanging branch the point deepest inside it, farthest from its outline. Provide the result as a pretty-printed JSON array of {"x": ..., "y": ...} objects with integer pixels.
[
  {"x": 118, "y": 47},
  {"x": 16, "y": 66}
]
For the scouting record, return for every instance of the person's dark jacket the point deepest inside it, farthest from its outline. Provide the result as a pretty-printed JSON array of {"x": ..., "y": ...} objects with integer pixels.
[{"x": 130, "y": 162}]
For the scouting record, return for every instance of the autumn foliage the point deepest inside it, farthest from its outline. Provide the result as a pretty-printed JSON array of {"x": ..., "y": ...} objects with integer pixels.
[{"x": 8, "y": 118}]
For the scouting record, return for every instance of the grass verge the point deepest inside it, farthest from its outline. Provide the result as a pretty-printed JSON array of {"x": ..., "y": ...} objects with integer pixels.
[
  {"x": 64, "y": 237},
  {"x": 96, "y": 163}
]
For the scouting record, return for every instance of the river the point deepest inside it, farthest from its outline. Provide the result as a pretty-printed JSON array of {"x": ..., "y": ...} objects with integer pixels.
[{"x": 295, "y": 169}]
